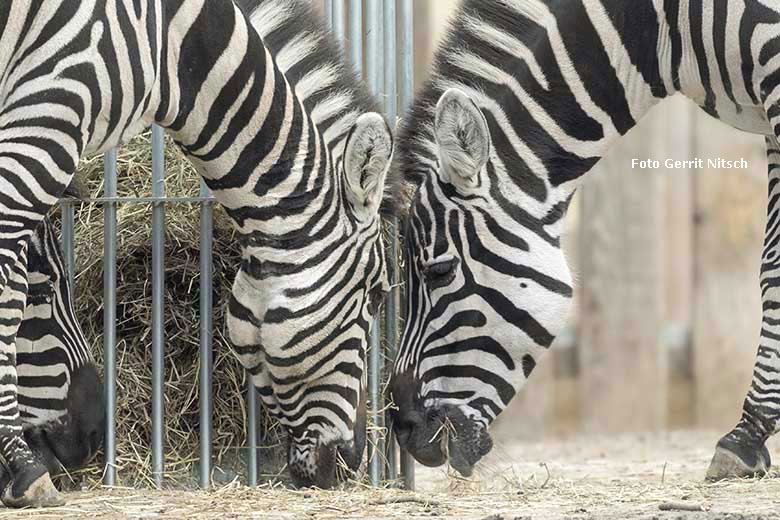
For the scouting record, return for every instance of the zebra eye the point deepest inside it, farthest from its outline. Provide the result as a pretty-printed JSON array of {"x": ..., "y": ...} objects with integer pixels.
[{"x": 441, "y": 273}]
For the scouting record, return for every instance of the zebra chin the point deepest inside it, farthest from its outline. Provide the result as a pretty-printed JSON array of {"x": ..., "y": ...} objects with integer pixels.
[
  {"x": 321, "y": 467},
  {"x": 325, "y": 465},
  {"x": 434, "y": 436},
  {"x": 71, "y": 441}
]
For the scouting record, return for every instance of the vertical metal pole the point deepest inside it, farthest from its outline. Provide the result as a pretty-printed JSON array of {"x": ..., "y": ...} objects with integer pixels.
[
  {"x": 375, "y": 58},
  {"x": 327, "y": 7},
  {"x": 337, "y": 19},
  {"x": 391, "y": 317},
  {"x": 406, "y": 43},
  {"x": 356, "y": 35},
  {"x": 68, "y": 241},
  {"x": 206, "y": 308},
  {"x": 251, "y": 431},
  {"x": 391, "y": 65},
  {"x": 406, "y": 92},
  {"x": 158, "y": 304},
  {"x": 109, "y": 315},
  {"x": 374, "y": 66},
  {"x": 355, "y": 52}
]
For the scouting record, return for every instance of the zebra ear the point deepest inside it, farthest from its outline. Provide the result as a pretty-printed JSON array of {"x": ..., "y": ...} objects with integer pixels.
[
  {"x": 463, "y": 138},
  {"x": 367, "y": 156}
]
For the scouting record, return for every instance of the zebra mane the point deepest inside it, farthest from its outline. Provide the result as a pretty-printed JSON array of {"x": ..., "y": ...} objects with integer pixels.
[{"x": 321, "y": 75}]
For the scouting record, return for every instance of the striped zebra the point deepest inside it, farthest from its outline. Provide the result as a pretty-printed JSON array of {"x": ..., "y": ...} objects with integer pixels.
[
  {"x": 525, "y": 97},
  {"x": 300, "y": 168},
  {"x": 332, "y": 404},
  {"x": 60, "y": 394}
]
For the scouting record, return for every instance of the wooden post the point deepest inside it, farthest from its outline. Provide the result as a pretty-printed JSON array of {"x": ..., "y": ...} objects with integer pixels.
[
  {"x": 729, "y": 231},
  {"x": 623, "y": 364},
  {"x": 677, "y": 140}
]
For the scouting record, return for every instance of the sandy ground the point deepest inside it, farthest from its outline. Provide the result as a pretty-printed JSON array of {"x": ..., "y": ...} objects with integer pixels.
[{"x": 616, "y": 477}]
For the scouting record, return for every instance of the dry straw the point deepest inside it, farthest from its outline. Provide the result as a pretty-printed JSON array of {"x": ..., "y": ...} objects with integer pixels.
[
  {"x": 182, "y": 277},
  {"x": 182, "y": 319}
]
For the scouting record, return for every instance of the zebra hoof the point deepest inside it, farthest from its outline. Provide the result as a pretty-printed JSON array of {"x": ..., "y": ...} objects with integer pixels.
[
  {"x": 32, "y": 489},
  {"x": 735, "y": 460}
]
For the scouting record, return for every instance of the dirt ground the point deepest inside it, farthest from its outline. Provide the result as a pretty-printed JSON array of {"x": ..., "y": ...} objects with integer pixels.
[{"x": 615, "y": 477}]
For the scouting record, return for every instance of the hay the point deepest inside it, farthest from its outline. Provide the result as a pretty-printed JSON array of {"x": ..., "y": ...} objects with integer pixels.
[
  {"x": 182, "y": 278},
  {"x": 181, "y": 328},
  {"x": 580, "y": 498}
]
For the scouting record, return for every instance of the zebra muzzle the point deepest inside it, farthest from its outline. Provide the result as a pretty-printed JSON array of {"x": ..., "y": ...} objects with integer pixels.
[
  {"x": 333, "y": 462},
  {"x": 435, "y": 434},
  {"x": 467, "y": 441}
]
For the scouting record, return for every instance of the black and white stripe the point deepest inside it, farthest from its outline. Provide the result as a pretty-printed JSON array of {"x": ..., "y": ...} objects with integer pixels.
[
  {"x": 311, "y": 377},
  {"x": 288, "y": 144},
  {"x": 60, "y": 395},
  {"x": 525, "y": 97},
  {"x": 50, "y": 345}
]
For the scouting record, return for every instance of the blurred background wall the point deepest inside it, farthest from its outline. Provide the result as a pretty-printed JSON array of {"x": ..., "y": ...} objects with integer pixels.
[{"x": 666, "y": 261}]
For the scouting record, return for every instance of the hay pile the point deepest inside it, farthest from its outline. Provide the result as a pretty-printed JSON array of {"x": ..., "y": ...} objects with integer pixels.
[{"x": 182, "y": 278}]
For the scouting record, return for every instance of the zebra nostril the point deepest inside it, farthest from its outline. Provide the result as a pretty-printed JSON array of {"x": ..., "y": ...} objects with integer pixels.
[{"x": 405, "y": 425}]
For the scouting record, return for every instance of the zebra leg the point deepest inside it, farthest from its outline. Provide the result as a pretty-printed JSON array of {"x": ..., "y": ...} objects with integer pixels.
[
  {"x": 742, "y": 452},
  {"x": 27, "y": 483}
]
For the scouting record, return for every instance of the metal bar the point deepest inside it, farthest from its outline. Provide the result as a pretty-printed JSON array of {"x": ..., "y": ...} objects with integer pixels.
[
  {"x": 158, "y": 305},
  {"x": 391, "y": 65},
  {"x": 68, "y": 240},
  {"x": 251, "y": 431},
  {"x": 339, "y": 29},
  {"x": 406, "y": 44},
  {"x": 356, "y": 35},
  {"x": 406, "y": 92},
  {"x": 375, "y": 59},
  {"x": 206, "y": 318},
  {"x": 391, "y": 315},
  {"x": 380, "y": 57},
  {"x": 327, "y": 7},
  {"x": 109, "y": 316},
  {"x": 140, "y": 200},
  {"x": 374, "y": 376},
  {"x": 374, "y": 66}
]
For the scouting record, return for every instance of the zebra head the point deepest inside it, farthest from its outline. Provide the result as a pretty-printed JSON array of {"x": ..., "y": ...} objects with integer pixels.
[
  {"x": 302, "y": 305},
  {"x": 487, "y": 285},
  {"x": 60, "y": 394}
]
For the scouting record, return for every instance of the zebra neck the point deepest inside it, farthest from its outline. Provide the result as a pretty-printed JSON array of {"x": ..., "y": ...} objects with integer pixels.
[
  {"x": 232, "y": 111},
  {"x": 558, "y": 82},
  {"x": 606, "y": 63}
]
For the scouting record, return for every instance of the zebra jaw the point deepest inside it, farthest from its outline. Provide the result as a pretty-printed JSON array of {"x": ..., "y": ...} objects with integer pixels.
[
  {"x": 436, "y": 435},
  {"x": 320, "y": 465},
  {"x": 323, "y": 465}
]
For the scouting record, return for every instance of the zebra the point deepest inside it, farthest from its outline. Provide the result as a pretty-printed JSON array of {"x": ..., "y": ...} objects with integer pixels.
[
  {"x": 524, "y": 98},
  {"x": 317, "y": 70},
  {"x": 60, "y": 394},
  {"x": 301, "y": 169}
]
